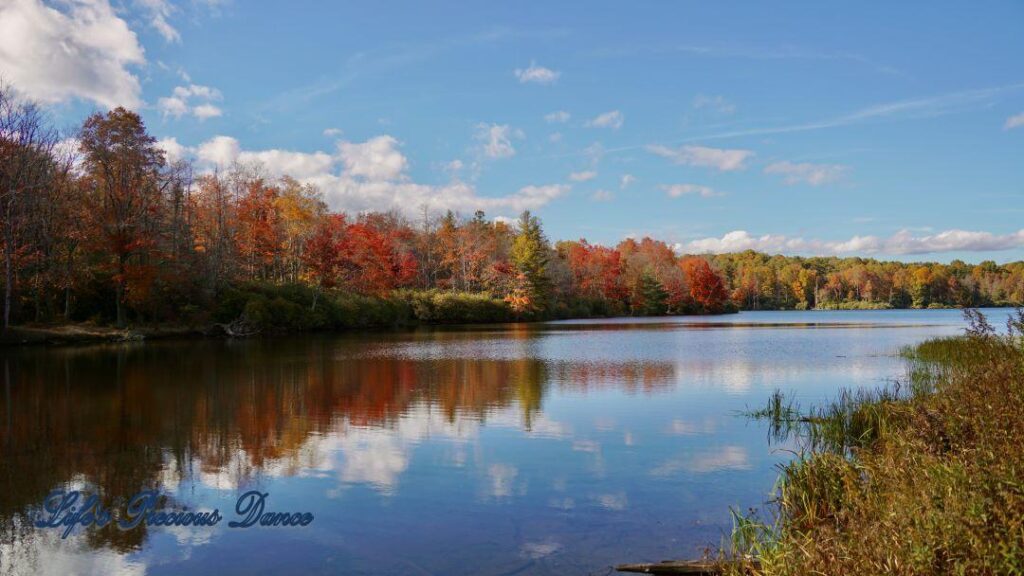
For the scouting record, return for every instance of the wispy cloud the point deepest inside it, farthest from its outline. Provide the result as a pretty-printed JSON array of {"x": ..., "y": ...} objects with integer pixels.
[
  {"x": 726, "y": 160},
  {"x": 536, "y": 75},
  {"x": 496, "y": 140},
  {"x": 929, "y": 107},
  {"x": 613, "y": 119},
  {"x": 399, "y": 56},
  {"x": 754, "y": 53},
  {"x": 677, "y": 190},
  {"x": 1015, "y": 121},
  {"x": 717, "y": 103},
  {"x": 583, "y": 176},
  {"x": 807, "y": 172},
  {"x": 557, "y": 117},
  {"x": 159, "y": 13},
  {"x": 940, "y": 105},
  {"x": 903, "y": 242}
]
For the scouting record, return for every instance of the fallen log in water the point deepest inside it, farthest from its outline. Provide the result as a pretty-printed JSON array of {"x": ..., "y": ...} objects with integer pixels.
[
  {"x": 704, "y": 567},
  {"x": 239, "y": 328}
]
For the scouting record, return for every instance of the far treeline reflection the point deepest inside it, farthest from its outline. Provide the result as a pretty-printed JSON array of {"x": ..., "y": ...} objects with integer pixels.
[{"x": 116, "y": 416}]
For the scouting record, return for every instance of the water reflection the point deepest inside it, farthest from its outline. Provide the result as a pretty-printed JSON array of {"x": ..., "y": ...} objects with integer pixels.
[
  {"x": 543, "y": 449},
  {"x": 131, "y": 417}
]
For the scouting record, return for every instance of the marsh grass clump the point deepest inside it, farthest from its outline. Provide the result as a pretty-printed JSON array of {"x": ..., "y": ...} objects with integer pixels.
[
  {"x": 925, "y": 478},
  {"x": 853, "y": 420}
]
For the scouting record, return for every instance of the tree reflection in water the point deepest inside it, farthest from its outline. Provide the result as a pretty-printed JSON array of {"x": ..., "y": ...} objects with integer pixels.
[{"x": 121, "y": 418}]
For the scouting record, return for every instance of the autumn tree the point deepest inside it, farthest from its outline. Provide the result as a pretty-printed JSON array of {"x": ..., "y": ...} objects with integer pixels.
[
  {"x": 259, "y": 232},
  {"x": 300, "y": 207},
  {"x": 122, "y": 167},
  {"x": 27, "y": 167},
  {"x": 325, "y": 252},
  {"x": 214, "y": 231},
  {"x": 378, "y": 257},
  {"x": 706, "y": 287},
  {"x": 596, "y": 270}
]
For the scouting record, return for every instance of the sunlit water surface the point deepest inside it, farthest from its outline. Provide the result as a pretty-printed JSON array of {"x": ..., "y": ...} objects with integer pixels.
[{"x": 559, "y": 448}]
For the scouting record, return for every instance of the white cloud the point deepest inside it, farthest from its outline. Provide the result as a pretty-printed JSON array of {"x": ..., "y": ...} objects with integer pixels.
[
  {"x": 722, "y": 159},
  {"x": 197, "y": 91},
  {"x": 626, "y": 181},
  {"x": 332, "y": 132},
  {"x": 902, "y": 243},
  {"x": 172, "y": 149},
  {"x": 496, "y": 140},
  {"x": 204, "y": 111},
  {"x": 677, "y": 190},
  {"x": 539, "y": 195},
  {"x": 171, "y": 106},
  {"x": 159, "y": 12},
  {"x": 370, "y": 175},
  {"x": 601, "y": 196},
  {"x": 180, "y": 101},
  {"x": 376, "y": 159},
  {"x": 537, "y": 74},
  {"x": 220, "y": 151},
  {"x": 300, "y": 165},
  {"x": 806, "y": 172},
  {"x": 454, "y": 166},
  {"x": 555, "y": 137},
  {"x": 613, "y": 119},
  {"x": 583, "y": 176},
  {"x": 1015, "y": 121},
  {"x": 557, "y": 117},
  {"x": 716, "y": 103},
  {"x": 81, "y": 50}
]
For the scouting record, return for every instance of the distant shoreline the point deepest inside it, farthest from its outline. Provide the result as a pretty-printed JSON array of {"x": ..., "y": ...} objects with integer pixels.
[{"x": 72, "y": 334}]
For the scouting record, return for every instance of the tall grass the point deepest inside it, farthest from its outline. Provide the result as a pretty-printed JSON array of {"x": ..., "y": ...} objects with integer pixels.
[{"x": 925, "y": 476}]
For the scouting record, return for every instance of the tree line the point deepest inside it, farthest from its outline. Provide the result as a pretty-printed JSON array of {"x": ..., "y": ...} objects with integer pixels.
[{"x": 101, "y": 226}]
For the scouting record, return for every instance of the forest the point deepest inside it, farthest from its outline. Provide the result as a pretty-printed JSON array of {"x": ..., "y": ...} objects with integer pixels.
[{"x": 98, "y": 226}]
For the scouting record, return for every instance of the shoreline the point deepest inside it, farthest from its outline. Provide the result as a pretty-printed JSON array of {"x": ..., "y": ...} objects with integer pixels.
[{"x": 76, "y": 334}]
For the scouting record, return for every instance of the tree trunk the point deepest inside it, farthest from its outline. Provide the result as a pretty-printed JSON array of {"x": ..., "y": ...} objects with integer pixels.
[
  {"x": 7, "y": 286},
  {"x": 119, "y": 292}
]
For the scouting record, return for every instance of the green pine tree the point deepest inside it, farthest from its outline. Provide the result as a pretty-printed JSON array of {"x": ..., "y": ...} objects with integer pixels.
[
  {"x": 530, "y": 258},
  {"x": 653, "y": 296}
]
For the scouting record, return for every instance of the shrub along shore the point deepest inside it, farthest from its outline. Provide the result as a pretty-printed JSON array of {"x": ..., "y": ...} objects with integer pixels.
[
  {"x": 925, "y": 476},
  {"x": 269, "y": 309}
]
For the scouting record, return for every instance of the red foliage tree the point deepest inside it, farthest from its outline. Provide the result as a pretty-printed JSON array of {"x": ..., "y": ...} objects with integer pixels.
[
  {"x": 259, "y": 230},
  {"x": 706, "y": 287},
  {"x": 596, "y": 271},
  {"x": 378, "y": 261},
  {"x": 324, "y": 252}
]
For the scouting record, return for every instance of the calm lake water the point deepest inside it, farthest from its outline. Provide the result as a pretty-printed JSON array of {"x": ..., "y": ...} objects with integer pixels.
[{"x": 558, "y": 448}]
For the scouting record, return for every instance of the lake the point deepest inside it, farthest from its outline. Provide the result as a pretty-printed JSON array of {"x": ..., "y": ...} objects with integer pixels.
[{"x": 554, "y": 448}]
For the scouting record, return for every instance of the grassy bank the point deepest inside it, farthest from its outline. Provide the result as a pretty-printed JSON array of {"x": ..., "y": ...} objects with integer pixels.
[{"x": 925, "y": 476}]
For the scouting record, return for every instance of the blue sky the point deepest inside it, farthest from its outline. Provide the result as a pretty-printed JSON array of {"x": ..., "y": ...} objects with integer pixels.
[{"x": 882, "y": 129}]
